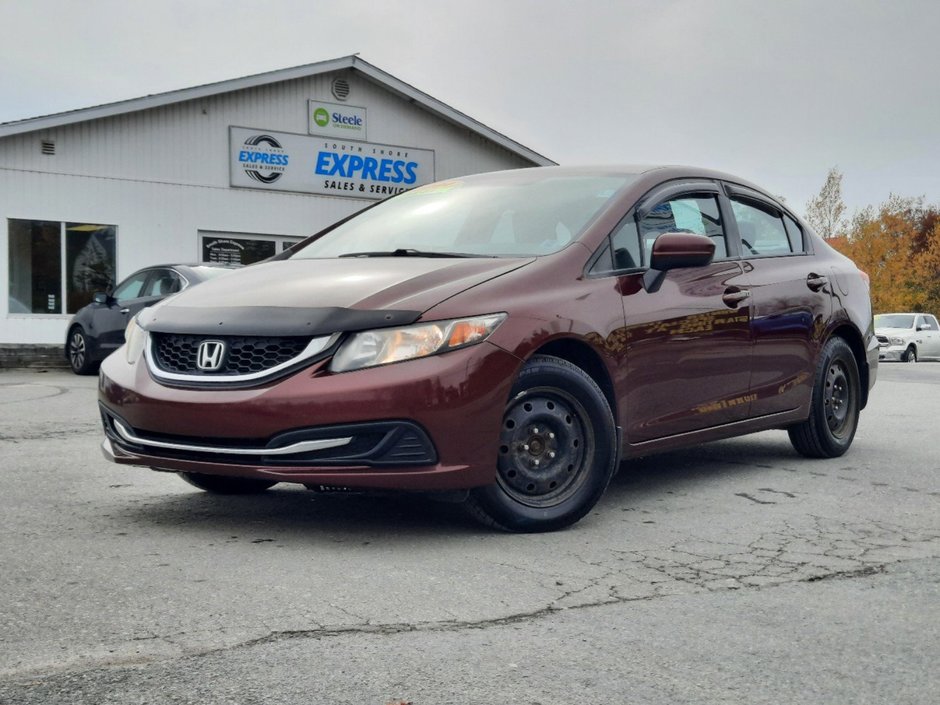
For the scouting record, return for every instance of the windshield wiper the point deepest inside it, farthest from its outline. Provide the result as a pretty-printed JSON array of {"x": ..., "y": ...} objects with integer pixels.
[{"x": 411, "y": 252}]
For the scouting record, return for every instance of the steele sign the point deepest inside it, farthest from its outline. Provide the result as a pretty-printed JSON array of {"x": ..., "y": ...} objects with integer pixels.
[{"x": 335, "y": 120}]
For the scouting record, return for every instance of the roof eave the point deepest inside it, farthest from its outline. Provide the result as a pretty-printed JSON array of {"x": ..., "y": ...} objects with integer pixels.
[{"x": 159, "y": 100}]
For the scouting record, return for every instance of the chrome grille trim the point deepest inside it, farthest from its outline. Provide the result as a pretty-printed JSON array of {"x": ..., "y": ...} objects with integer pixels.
[
  {"x": 293, "y": 449},
  {"x": 314, "y": 347}
]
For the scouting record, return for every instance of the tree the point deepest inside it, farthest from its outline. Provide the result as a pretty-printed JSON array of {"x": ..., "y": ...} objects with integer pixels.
[
  {"x": 899, "y": 247},
  {"x": 927, "y": 265},
  {"x": 824, "y": 212}
]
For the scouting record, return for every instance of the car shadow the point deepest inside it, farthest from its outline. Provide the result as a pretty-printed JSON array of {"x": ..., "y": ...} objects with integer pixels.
[
  {"x": 683, "y": 469},
  {"x": 289, "y": 511}
]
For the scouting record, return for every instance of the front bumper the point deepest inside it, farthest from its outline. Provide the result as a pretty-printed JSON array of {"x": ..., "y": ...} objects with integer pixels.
[
  {"x": 428, "y": 424},
  {"x": 891, "y": 353}
]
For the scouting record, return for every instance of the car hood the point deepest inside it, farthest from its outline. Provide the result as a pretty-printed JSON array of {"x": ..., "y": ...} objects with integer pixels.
[
  {"x": 320, "y": 296},
  {"x": 896, "y": 332}
]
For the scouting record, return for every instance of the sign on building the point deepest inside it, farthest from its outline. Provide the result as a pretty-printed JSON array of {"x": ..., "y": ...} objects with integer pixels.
[
  {"x": 283, "y": 161},
  {"x": 336, "y": 120}
]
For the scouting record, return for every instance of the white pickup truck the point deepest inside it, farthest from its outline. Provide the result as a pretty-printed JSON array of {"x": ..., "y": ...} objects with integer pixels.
[{"x": 907, "y": 337}]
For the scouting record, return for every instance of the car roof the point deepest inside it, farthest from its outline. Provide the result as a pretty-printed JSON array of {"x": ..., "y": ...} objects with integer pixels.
[{"x": 648, "y": 175}]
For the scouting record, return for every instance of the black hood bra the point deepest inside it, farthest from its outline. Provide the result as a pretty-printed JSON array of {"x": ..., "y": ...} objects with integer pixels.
[{"x": 269, "y": 320}]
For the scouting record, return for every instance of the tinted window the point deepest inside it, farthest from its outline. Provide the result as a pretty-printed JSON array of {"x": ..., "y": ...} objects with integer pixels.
[
  {"x": 685, "y": 214},
  {"x": 762, "y": 229},
  {"x": 626, "y": 241},
  {"x": 604, "y": 262},
  {"x": 163, "y": 283},
  {"x": 795, "y": 233},
  {"x": 933, "y": 323}
]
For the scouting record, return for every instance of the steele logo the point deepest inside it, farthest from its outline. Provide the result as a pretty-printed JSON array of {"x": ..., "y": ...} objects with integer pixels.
[
  {"x": 263, "y": 158},
  {"x": 321, "y": 116}
]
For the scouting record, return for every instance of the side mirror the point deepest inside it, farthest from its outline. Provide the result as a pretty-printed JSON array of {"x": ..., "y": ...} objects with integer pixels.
[
  {"x": 101, "y": 298},
  {"x": 674, "y": 251}
]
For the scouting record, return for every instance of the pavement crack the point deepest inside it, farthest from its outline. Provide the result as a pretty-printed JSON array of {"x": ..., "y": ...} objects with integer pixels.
[{"x": 753, "y": 499}]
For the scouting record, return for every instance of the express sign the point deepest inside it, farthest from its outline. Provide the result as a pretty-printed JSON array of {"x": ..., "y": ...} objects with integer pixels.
[{"x": 287, "y": 162}]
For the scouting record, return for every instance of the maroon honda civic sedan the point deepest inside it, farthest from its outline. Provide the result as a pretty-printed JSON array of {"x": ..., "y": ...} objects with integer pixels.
[{"x": 509, "y": 336}]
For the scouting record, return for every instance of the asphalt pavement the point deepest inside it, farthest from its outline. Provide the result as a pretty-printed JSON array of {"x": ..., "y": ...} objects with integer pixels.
[{"x": 735, "y": 572}]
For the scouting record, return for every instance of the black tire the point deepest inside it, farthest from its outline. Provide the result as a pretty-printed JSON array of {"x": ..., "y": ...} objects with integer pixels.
[
  {"x": 222, "y": 484},
  {"x": 76, "y": 350},
  {"x": 910, "y": 355},
  {"x": 833, "y": 417},
  {"x": 557, "y": 451}
]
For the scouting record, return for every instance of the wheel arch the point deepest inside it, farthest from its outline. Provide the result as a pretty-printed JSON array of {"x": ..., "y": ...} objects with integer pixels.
[
  {"x": 584, "y": 356},
  {"x": 854, "y": 340}
]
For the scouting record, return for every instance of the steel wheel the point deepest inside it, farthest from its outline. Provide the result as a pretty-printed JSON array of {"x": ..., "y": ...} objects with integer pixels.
[
  {"x": 557, "y": 450},
  {"x": 835, "y": 405},
  {"x": 837, "y": 399},
  {"x": 544, "y": 446}
]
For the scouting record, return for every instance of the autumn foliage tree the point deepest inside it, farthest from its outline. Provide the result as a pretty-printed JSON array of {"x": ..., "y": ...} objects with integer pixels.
[{"x": 898, "y": 245}]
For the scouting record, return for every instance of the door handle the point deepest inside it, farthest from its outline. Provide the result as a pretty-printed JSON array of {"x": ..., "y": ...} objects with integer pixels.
[
  {"x": 816, "y": 282},
  {"x": 732, "y": 297},
  {"x": 125, "y": 311}
]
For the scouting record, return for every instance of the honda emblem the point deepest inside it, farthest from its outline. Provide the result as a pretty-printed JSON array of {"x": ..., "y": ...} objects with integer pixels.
[{"x": 210, "y": 355}]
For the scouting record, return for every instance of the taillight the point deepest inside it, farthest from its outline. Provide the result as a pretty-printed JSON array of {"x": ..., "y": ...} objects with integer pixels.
[{"x": 865, "y": 278}]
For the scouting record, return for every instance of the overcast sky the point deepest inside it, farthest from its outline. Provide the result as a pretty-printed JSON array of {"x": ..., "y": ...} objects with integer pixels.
[{"x": 776, "y": 91}]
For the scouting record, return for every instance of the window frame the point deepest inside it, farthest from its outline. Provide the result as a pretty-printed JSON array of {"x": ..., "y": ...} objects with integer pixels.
[
  {"x": 63, "y": 295},
  {"x": 661, "y": 193},
  {"x": 744, "y": 194}
]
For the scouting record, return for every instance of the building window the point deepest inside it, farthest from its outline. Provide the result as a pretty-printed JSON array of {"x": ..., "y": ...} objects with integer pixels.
[
  {"x": 56, "y": 267},
  {"x": 239, "y": 248}
]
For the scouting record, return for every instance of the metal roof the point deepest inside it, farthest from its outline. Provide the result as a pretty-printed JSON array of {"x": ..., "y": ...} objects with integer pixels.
[{"x": 371, "y": 72}]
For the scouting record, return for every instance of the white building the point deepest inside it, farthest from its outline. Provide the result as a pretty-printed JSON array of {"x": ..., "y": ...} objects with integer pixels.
[{"x": 227, "y": 171}]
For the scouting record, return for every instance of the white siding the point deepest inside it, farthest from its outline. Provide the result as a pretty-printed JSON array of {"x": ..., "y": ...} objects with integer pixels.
[{"x": 162, "y": 175}]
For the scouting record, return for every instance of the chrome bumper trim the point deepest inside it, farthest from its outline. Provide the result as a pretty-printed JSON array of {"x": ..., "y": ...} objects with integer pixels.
[{"x": 293, "y": 449}]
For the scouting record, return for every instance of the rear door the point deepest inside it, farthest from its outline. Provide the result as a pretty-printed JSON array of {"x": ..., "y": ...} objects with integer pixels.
[
  {"x": 688, "y": 347},
  {"x": 138, "y": 291},
  {"x": 791, "y": 301}
]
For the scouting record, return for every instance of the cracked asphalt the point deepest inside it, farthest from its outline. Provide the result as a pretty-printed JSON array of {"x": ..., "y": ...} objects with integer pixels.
[{"x": 733, "y": 572}]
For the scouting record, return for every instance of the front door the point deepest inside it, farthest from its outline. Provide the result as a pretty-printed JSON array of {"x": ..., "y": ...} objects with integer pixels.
[{"x": 688, "y": 343}]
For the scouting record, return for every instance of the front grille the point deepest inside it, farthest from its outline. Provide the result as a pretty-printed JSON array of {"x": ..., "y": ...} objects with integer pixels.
[
  {"x": 882, "y": 339},
  {"x": 177, "y": 353}
]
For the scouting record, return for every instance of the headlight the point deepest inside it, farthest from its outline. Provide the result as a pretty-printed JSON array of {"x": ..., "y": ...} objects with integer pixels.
[
  {"x": 135, "y": 338},
  {"x": 896, "y": 341},
  {"x": 380, "y": 347}
]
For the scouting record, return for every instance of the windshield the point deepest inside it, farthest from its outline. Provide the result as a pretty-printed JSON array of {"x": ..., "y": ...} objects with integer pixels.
[
  {"x": 498, "y": 215},
  {"x": 894, "y": 320}
]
